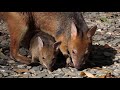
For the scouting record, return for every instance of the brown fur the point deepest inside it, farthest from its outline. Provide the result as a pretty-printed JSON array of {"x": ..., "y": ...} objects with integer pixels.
[
  {"x": 45, "y": 50},
  {"x": 56, "y": 24}
]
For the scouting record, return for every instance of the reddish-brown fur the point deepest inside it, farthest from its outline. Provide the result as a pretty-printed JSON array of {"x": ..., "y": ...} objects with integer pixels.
[{"x": 67, "y": 27}]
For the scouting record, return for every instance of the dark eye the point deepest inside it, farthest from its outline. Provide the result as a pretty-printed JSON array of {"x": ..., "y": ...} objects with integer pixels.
[
  {"x": 43, "y": 57},
  {"x": 74, "y": 51}
]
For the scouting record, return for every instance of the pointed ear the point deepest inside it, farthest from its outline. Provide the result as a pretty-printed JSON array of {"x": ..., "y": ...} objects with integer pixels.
[
  {"x": 92, "y": 31},
  {"x": 40, "y": 43},
  {"x": 73, "y": 30},
  {"x": 56, "y": 45}
]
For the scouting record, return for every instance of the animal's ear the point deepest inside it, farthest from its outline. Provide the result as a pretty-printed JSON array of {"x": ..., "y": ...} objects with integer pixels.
[
  {"x": 40, "y": 42},
  {"x": 73, "y": 30},
  {"x": 91, "y": 31},
  {"x": 56, "y": 45}
]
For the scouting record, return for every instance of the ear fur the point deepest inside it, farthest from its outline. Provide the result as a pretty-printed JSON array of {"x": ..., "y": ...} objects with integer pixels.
[
  {"x": 56, "y": 45},
  {"x": 73, "y": 30},
  {"x": 40, "y": 43},
  {"x": 92, "y": 31}
]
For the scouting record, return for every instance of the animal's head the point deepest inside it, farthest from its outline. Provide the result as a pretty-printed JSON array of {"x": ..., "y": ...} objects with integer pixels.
[
  {"x": 48, "y": 53},
  {"x": 79, "y": 45}
]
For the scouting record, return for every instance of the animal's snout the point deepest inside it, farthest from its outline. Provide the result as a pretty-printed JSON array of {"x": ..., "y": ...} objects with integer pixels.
[{"x": 79, "y": 64}]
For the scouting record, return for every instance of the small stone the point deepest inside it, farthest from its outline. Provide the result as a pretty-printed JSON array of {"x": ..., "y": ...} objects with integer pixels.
[
  {"x": 36, "y": 68},
  {"x": 40, "y": 68},
  {"x": 104, "y": 67},
  {"x": 41, "y": 75},
  {"x": 34, "y": 77},
  {"x": 70, "y": 74},
  {"x": 11, "y": 61},
  {"x": 109, "y": 33},
  {"x": 2, "y": 70},
  {"x": 65, "y": 70},
  {"x": 45, "y": 70},
  {"x": 116, "y": 59},
  {"x": 99, "y": 30},
  {"x": 116, "y": 41},
  {"x": 73, "y": 69},
  {"x": 2, "y": 55},
  {"x": 1, "y": 75},
  {"x": 9, "y": 77},
  {"x": 29, "y": 67},
  {"x": 101, "y": 42},
  {"x": 59, "y": 70},
  {"x": 21, "y": 66},
  {"x": 93, "y": 71},
  {"x": 65, "y": 76},
  {"x": 32, "y": 70},
  {"x": 24, "y": 75},
  {"x": 38, "y": 72},
  {"x": 3, "y": 62},
  {"x": 5, "y": 74},
  {"x": 74, "y": 77},
  {"x": 4, "y": 42},
  {"x": 23, "y": 51},
  {"x": 58, "y": 76},
  {"x": 49, "y": 76},
  {"x": 115, "y": 74},
  {"x": 98, "y": 38}
]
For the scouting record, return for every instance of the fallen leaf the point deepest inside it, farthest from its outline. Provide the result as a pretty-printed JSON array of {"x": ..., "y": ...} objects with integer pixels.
[
  {"x": 87, "y": 74},
  {"x": 103, "y": 76},
  {"x": 106, "y": 46},
  {"x": 98, "y": 68},
  {"x": 21, "y": 70},
  {"x": 109, "y": 75}
]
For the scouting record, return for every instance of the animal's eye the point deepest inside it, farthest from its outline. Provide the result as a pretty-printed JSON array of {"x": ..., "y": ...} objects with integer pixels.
[
  {"x": 74, "y": 51},
  {"x": 43, "y": 57}
]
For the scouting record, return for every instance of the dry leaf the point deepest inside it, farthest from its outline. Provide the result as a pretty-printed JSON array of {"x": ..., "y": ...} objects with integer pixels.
[
  {"x": 103, "y": 76},
  {"x": 87, "y": 74},
  {"x": 82, "y": 74},
  {"x": 106, "y": 46},
  {"x": 21, "y": 70},
  {"x": 98, "y": 68}
]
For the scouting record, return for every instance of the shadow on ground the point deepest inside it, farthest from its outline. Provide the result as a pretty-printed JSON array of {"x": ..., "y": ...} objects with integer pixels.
[{"x": 101, "y": 56}]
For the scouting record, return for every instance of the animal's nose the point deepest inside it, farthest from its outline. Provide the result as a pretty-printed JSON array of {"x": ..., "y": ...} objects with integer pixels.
[{"x": 79, "y": 65}]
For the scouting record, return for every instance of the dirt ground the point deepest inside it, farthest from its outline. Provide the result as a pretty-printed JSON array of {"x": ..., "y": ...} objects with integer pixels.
[{"x": 104, "y": 60}]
